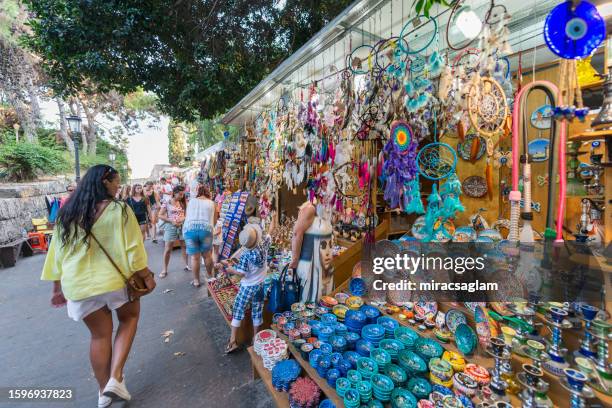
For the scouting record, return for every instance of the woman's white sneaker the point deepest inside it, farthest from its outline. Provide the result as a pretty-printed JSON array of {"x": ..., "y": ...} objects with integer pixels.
[
  {"x": 117, "y": 390},
  {"x": 104, "y": 401}
]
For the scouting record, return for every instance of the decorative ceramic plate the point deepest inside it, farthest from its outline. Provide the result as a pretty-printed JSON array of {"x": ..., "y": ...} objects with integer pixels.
[
  {"x": 464, "y": 149},
  {"x": 464, "y": 234},
  {"x": 471, "y": 306},
  {"x": 454, "y": 318},
  {"x": 474, "y": 186},
  {"x": 465, "y": 338},
  {"x": 424, "y": 308},
  {"x": 482, "y": 326},
  {"x": 428, "y": 348},
  {"x": 417, "y": 227}
]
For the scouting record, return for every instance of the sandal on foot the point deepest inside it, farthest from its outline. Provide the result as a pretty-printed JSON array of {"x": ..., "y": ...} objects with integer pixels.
[
  {"x": 195, "y": 284},
  {"x": 231, "y": 347},
  {"x": 163, "y": 275},
  {"x": 187, "y": 269}
]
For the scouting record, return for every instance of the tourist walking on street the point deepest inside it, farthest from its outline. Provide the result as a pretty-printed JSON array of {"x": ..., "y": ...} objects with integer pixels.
[
  {"x": 141, "y": 207},
  {"x": 153, "y": 197},
  {"x": 166, "y": 189},
  {"x": 173, "y": 215},
  {"x": 198, "y": 231},
  {"x": 126, "y": 192},
  {"x": 96, "y": 247}
]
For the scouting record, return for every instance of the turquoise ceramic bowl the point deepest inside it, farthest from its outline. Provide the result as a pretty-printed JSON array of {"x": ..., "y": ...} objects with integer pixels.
[
  {"x": 407, "y": 336},
  {"x": 402, "y": 398},
  {"x": 420, "y": 387},
  {"x": 466, "y": 339},
  {"x": 428, "y": 348},
  {"x": 411, "y": 362}
]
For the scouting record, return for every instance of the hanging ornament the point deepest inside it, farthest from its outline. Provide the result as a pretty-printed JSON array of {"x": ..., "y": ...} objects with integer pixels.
[
  {"x": 487, "y": 106},
  {"x": 574, "y": 32}
]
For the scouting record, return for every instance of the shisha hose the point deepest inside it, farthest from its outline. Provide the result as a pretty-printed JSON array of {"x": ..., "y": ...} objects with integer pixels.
[{"x": 515, "y": 195}]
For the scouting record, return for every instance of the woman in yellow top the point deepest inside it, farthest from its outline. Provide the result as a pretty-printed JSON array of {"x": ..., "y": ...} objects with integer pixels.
[{"x": 85, "y": 279}]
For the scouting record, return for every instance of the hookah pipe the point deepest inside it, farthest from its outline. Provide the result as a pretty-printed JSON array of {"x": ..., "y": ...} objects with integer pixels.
[{"x": 515, "y": 195}]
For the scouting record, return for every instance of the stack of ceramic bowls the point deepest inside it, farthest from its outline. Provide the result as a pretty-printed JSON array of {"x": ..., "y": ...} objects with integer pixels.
[
  {"x": 367, "y": 367},
  {"x": 351, "y": 399},
  {"x": 373, "y": 332},
  {"x": 284, "y": 373},
  {"x": 420, "y": 387},
  {"x": 326, "y": 348},
  {"x": 273, "y": 352},
  {"x": 382, "y": 358},
  {"x": 428, "y": 348},
  {"x": 338, "y": 343},
  {"x": 351, "y": 357},
  {"x": 332, "y": 375},
  {"x": 382, "y": 386},
  {"x": 351, "y": 340},
  {"x": 329, "y": 319},
  {"x": 389, "y": 324},
  {"x": 364, "y": 388},
  {"x": 412, "y": 363},
  {"x": 354, "y": 377},
  {"x": 402, "y": 398},
  {"x": 340, "y": 329},
  {"x": 314, "y": 356},
  {"x": 315, "y": 326},
  {"x": 397, "y": 374},
  {"x": 262, "y": 338},
  {"x": 324, "y": 365},
  {"x": 335, "y": 359},
  {"x": 340, "y": 312},
  {"x": 407, "y": 336},
  {"x": 364, "y": 347},
  {"x": 325, "y": 333},
  {"x": 392, "y": 346},
  {"x": 371, "y": 313},
  {"x": 355, "y": 320},
  {"x": 342, "y": 386},
  {"x": 344, "y": 366},
  {"x": 440, "y": 372}
]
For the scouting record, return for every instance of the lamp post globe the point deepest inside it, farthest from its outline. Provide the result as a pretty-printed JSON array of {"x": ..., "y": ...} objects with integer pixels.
[{"x": 74, "y": 123}]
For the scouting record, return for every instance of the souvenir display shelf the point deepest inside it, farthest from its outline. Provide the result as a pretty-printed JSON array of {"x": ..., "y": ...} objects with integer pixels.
[{"x": 557, "y": 393}]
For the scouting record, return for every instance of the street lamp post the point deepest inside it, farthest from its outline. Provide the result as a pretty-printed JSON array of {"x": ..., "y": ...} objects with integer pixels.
[
  {"x": 111, "y": 157},
  {"x": 74, "y": 122}
]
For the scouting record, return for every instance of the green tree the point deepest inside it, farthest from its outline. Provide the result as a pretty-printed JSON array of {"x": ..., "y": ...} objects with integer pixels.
[
  {"x": 199, "y": 57},
  {"x": 178, "y": 134}
]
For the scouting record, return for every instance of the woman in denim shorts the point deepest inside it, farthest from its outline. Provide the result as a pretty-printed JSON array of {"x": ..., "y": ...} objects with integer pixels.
[
  {"x": 173, "y": 215},
  {"x": 197, "y": 230}
]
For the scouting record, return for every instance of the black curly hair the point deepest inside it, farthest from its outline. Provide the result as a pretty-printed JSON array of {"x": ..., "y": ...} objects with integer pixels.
[{"x": 79, "y": 211}]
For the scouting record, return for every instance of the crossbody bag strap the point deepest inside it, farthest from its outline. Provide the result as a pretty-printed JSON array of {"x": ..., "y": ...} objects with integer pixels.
[{"x": 109, "y": 258}]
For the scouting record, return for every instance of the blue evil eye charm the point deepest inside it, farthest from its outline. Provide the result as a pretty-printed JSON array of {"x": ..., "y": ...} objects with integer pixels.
[
  {"x": 582, "y": 113},
  {"x": 558, "y": 112},
  {"x": 576, "y": 28},
  {"x": 569, "y": 112}
]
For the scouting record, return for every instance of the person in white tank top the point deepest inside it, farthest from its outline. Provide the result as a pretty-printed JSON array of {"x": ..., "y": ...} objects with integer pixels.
[{"x": 197, "y": 231}]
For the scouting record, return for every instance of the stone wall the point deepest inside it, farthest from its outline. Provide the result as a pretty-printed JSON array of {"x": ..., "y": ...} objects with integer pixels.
[{"x": 20, "y": 202}]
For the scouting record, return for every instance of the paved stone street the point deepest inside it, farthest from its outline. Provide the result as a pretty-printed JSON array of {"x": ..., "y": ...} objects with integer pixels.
[{"x": 41, "y": 347}]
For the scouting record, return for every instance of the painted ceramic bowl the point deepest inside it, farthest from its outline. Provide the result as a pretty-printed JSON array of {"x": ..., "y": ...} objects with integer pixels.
[
  {"x": 454, "y": 318},
  {"x": 389, "y": 324},
  {"x": 402, "y": 398},
  {"x": 351, "y": 357},
  {"x": 464, "y": 234},
  {"x": 478, "y": 373},
  {"x": 367, "y": 367},
  {"x": 354, "y": 302},
  {"x": 490, "y": 233},
  {"x": 441, "y": 369},
  {"x": 397, "y": 374},
  {"x": 371, "y": 313},
  {"x": 426, "y": 404},
  {"x": 428, "y": 348},
  {"x": 392, "y": 346},
  {"x": 338, "y": 343},
  {"x": 329, "y": 319},
  {"x": 341, "y": 297},
  {"x": 382, "y": 383},
  {"x": 354, "y": 376},
  {"x": 465, "y": 384},
  {"x": 373, "y": 332},
  {"x": 420, "y": 387},
  {"x": 340, "y": 311},
  {"x": 443, "y": 335},
  {"x": 451, "y": 401},
  {"x": 364, "y": 347},
  {"x": 357, "y": 287},
  {"x": 465, "y": 338},
  {"x": 407, "y": 336},
  {"x": 411, "y": 362},
  {"x": 382, "y": 358},
  {"x": 328, "y": 301}
]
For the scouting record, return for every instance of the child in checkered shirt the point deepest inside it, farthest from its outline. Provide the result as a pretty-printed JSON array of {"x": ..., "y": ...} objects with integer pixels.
[{"x": 252, "y": 266}]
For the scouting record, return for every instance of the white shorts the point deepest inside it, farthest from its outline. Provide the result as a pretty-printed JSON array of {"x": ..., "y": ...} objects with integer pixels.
[{"x": 79, "y": 309}]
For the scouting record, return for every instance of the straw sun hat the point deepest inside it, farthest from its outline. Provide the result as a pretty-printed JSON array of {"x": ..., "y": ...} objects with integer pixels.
[{"x": 248, "y": 237}]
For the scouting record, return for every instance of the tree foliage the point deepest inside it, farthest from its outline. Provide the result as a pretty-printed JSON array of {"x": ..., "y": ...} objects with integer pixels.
[
  {"x": 199, "y": 57},
  {"x": 24, "y": 161}
]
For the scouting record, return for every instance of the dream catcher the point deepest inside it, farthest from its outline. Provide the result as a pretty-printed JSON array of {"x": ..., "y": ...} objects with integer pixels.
[
  {"x": 487, "y": 106},
  {"x": 437, "y": 161},
  {"x": 464, "y": 25},
  {"x": 399, "y": 169}
]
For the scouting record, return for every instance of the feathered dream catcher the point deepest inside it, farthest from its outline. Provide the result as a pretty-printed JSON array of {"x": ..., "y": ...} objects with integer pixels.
[
  {"x": 437, "y": 161},
  {"x": 399, "y": 170}
]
